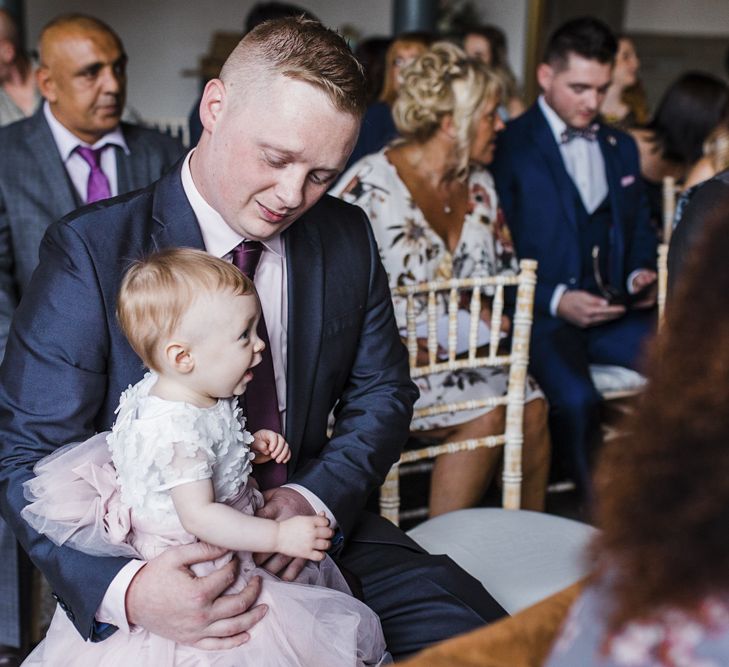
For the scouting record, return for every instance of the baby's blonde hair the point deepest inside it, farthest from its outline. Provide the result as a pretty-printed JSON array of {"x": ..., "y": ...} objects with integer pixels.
[{"x": 157, "y": 291}]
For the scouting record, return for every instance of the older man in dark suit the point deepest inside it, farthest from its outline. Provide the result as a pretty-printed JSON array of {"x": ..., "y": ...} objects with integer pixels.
[
  {"x": 570, "y": 188},
  {"x": 278, "y": 128},
  {"x": 73, "y": 151}
]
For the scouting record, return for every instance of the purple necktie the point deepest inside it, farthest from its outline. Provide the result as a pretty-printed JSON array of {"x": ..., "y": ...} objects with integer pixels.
[
  {"x": 261, "y": 400},
  {"x": 98, "y": 185}
]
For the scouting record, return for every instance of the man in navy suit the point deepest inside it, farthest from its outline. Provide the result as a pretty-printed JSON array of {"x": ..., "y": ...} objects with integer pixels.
[
  {"x": 570, "y": 189},
  {"x": 278, "y": 127},
  {"x": 43, "y": 177}
]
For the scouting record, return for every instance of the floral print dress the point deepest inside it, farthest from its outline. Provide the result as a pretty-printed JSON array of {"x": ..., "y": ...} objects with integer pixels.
[
  {"x": 412, "y": 252},
  {"x": 672, "y": 638}
]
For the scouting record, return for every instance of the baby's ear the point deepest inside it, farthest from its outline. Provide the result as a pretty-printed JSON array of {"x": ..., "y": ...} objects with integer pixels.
[{"x": 179, "y": 358}]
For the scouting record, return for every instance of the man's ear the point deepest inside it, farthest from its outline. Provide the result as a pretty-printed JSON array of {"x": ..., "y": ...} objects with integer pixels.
[
  {"x": 46, "y": 84},
  {"x": 545, "y": 75},
  {"x": 211, "y": 103},
  {"x": 179, "y": 357}
]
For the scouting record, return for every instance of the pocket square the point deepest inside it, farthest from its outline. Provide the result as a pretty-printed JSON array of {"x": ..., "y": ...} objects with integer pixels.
[{"x": 625, "y": 181}]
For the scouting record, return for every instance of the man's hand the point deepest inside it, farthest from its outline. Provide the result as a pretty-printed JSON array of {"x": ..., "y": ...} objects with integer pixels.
[
  {"x": 305, "y": 536},
  {"x": 587, "y": 310},
  {"x": 283, "y": 503},
  {"x": 269, "y": 445},
  {"x": 202, "y": 616},
  {"x": 645, "y": 280}
]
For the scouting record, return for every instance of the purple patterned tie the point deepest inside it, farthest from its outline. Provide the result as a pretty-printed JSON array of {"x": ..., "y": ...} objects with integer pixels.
[
  {"x": 98, "y": 185},
  {"x": 261, "y": 400}
]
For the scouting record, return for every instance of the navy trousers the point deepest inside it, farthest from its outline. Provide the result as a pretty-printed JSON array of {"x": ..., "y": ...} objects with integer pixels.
[
  {"x": 559, "y": 360},
  {"x": 421, "y": 599}
]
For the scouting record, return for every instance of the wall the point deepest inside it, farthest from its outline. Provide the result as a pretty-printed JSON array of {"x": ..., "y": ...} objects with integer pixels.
[
  {"x": 698, "y": 17},
  {"x": 165, "y": 38}
]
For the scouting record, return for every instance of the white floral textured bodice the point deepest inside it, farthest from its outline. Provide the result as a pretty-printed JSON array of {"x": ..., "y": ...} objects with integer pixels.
[{"x": 157, "y": 444}]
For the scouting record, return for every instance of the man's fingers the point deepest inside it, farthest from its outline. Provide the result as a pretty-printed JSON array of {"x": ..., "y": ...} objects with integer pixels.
[
  {"x": 236, "y": 625},
  {"x": 227, "y": 606},
  {"x": 222, "y": 644},
  {"x": 216, "y": 582},
  {"x": 293, "y": 569},
  {"x": 276, "y": 564},
  {"x": 197, "y": 552}
]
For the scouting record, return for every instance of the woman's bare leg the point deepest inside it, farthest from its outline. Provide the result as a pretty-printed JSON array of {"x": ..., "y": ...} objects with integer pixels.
[
  {"x": 535, "y": 456},
  {"x": 459, "y": 480}
]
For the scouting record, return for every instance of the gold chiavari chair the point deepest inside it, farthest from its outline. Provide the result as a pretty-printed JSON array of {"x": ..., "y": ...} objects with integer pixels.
[{"x": 422, "y": 302}]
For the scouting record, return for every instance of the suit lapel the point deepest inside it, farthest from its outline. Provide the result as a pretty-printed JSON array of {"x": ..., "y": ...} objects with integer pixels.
[
  {"x": 608, "y": 144},
  {"x": 132, "y": 171},
  {"x": 171, "y": 210},
  {"x": 50, "y": 166},
  {"x": 305, "y": 270},
  {"x": 544, "y": 139}
]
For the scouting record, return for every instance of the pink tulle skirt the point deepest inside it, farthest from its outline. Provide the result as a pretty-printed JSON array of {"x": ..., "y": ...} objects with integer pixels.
[{"x": 312, "y": 621}]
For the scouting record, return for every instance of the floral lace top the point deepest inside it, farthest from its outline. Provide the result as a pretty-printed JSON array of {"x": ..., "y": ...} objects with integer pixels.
[
  {"x": 671, "y": 639},
  {"x": 157, "y": 444},
  {"x": 412, "y": 252}
]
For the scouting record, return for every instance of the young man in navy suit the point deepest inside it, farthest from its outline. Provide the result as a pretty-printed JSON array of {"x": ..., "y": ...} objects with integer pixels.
[
  {"x": 570, "y": 188},
  {"x": 278, "y": 127}
]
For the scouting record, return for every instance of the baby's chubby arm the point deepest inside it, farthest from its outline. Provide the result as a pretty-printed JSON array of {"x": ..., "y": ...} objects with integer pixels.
[
  {"x": 269, "y": 445},
  {"x": 300, "y": 536}
]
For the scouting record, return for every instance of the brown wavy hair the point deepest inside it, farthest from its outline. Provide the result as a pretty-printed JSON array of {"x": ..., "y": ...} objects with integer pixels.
[{"x": 663, "y": 492}]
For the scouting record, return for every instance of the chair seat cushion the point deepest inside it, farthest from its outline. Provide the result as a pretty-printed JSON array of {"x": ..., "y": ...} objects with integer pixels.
[
  {"x": 520, "y": 557},
  {"x": 615, "y": 379}
]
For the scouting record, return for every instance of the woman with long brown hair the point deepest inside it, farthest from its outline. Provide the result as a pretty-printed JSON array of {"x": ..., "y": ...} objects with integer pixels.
[{"x": 659, "y": 594}]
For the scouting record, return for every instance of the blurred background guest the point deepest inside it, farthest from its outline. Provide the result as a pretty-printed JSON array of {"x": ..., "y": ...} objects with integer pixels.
[
  {"x": 371, "y": 54},
  {"x": 435, "y": 215},
  {"x": 625, "y": 103},
  {"x": 378, "y": 127},
  {"x": 488, "y": 44},
  {"x": 715, "y": 156},
  {"x": 19, "y": 95},
  {"x": 672, "y": 142},
  {"x": 659, "y": 594}
]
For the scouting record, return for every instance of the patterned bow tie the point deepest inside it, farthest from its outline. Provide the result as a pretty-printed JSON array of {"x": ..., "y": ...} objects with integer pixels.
[{"x": 589, "y": 133}]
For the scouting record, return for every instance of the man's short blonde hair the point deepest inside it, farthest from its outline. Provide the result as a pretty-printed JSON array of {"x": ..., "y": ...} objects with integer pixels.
[
  {"x": 157, "y": 291},
  {"x": 444, "y": 81},
  {"x": 300, "y": 49}
]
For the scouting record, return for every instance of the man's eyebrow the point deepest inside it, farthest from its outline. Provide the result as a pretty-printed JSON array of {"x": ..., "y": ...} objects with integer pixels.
[{"x": 288, "y": 154}]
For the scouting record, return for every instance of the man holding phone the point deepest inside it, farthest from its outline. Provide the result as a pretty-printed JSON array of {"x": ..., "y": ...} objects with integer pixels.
[{"x": 570, "y": 188}]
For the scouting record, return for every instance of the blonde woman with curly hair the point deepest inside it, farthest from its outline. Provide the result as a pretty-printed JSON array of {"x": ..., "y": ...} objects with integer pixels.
[{"x": 435, "y": 214}]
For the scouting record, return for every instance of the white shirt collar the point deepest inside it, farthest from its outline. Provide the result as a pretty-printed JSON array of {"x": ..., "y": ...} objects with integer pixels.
[
  {"x": 219, "y": 238},
  {"x": 67, "y": 141},
  {"x": 556, "y": 124}
]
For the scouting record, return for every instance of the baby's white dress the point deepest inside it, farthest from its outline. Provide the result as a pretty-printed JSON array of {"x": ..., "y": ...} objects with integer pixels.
[{"x": 113, "y": 499}]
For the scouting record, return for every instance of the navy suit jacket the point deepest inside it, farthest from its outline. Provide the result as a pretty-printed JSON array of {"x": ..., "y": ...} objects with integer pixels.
[
  {"x": 35, "y": 191},
  {"x": 67, "y": 362},
  {"x": 538, "y": 199}
]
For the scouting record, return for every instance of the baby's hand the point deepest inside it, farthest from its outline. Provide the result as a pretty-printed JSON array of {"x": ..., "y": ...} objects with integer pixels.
[
  {"x": 305, "y": 536},
  {"x": 269, "y": 445}
]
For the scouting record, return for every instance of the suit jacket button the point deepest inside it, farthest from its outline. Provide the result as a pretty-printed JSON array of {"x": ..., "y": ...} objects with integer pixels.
[
  {"x": 70, "y": 615},
  {"x": 55, "y": 597},
  {"x": 573, "y": 281}
]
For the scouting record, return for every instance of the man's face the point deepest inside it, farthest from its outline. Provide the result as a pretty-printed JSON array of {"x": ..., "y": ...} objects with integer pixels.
[
  {"x": 577, "y": 91},
  {"x": 83, "y": 77},
  {"x": 268, "y": 157}
]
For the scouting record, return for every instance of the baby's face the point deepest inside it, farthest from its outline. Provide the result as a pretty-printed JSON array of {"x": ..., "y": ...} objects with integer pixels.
[{"x": 224, "y": 344}]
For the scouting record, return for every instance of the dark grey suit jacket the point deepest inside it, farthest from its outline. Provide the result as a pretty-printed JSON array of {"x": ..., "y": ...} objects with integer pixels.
[
  {"x": 67, "y": 363},
  {"x": 35, "y": 190}
]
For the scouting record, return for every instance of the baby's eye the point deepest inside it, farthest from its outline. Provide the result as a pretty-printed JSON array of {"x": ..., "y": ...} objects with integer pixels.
[{"x": 245, "y": 335}]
